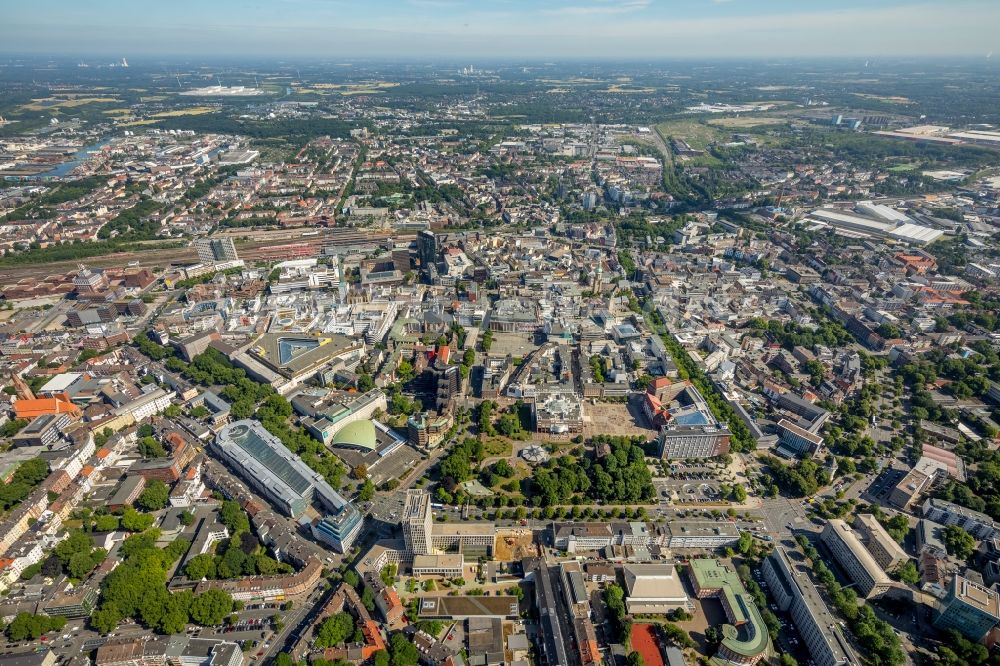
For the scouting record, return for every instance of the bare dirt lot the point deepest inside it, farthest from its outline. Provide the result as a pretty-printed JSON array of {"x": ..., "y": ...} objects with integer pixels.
[
  {"x": 611, "y": 418},
  {"x": 514, "y": 545}
]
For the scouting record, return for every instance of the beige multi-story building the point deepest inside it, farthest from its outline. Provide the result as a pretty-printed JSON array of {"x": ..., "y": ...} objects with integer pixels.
[
  {"x": 883, "y": 547},
  {"x": 464, "y": 537},
  {"x": 17, "y": 523},
  {"x": 421, "y": 536},
  {"x": 446, "y": 566},
  {"x": 854, "y": 558}
]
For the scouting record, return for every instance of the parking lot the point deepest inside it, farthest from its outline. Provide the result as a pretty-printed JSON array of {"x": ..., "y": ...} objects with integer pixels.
[
  {"x": 882, "y": 486},
  {"x": 257, "y": 624},
  {"x": 687, "y": 483},
  {"x": 685, "y": 491},
  {"x": 789, "y": 641}
]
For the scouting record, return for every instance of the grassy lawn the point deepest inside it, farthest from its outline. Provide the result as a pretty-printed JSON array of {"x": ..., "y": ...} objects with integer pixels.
[
  {"x": 701, "y": 161},
  {"x": 697, "y": 134},
  {"x": 499, "y": 446},
  {"x": 192, "y": 111},
  {"x": 66, "y": 102},
  {"x": 744, "y": 122}
]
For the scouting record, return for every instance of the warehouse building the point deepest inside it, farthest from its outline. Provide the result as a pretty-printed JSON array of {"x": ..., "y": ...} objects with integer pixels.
[{"x": 654, "y": 589}]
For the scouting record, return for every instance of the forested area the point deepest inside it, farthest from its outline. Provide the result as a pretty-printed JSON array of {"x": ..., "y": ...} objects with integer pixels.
[
  {"x": 133, "y": 224},
  {"x": 72, "y": 190},
  {"x": 75, "y": 556},
  {"x": 800, "y": 479},
  {"x": 26, "y": 478},
  {"x": 137, "y": 589},
  {"x": 291, "y": 130},
  {"x": 790, "y": 335},
  {"x": 239, "y": 555}
]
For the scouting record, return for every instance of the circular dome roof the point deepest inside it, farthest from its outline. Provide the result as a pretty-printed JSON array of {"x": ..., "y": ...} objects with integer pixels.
[{"x": 360, "y": 434}]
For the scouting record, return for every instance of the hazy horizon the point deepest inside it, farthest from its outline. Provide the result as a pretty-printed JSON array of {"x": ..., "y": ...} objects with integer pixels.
[{"x": 505, "y": 29}]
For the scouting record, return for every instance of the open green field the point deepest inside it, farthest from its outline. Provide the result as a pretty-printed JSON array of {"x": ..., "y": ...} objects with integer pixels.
[
  {"x": 347, "y": 89},
  {"x": 698, "y": 135},
  {"x": 190, "y": 111},
  {"x": 743, "y": 122},
  {"x": 57, "y": 102}
]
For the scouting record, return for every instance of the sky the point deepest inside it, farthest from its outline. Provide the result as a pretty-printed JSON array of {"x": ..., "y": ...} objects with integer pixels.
[{"x": 510, "y": 29}]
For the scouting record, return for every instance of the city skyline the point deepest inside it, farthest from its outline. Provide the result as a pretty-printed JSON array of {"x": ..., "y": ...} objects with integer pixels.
[
  {"x": 631, "y": 29},
  {"x": 353, "y": 334}
]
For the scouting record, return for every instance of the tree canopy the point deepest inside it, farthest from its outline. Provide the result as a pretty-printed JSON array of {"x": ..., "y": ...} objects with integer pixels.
[
  {"x": 27, "y": 625},
  {"x": 154, "y": 497},
  {"x": 25, "y": 479},
  {"x": 958, "y": 542},
  {"x": 334, "y": 630},
  {"x": 137, "y": 589}
]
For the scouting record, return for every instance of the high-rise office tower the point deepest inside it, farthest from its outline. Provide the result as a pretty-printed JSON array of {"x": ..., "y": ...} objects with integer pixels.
[
  {"x": 417, "y": 521},
  {"x": 214, "y": 250},
  {"x": 426, "y": 249}
]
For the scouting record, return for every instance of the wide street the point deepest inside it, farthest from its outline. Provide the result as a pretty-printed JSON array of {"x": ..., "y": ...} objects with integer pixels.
[
  {"x": 301, "y": 612},
  {"x": 783, "y": 516}
]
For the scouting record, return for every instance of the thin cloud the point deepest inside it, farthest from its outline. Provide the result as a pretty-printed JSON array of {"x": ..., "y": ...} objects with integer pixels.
[
  {"x": 604, "y": 8},
  {"x": 563, "y": 28},
  {"x": 435, "y": 4}
]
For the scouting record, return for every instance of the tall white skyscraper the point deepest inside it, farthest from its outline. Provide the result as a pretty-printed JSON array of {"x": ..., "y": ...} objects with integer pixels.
[{"x": 417, "y": 522}]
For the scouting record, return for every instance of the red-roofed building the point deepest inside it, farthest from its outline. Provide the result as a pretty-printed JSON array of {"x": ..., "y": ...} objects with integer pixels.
[
  {"x": 917, "y": 264},
  {"x": 444, "y": 354},
  {"x": 58, "y": 403},
  {"x": 657, "y": 414},
  {"x": 659, "y": 384}
]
